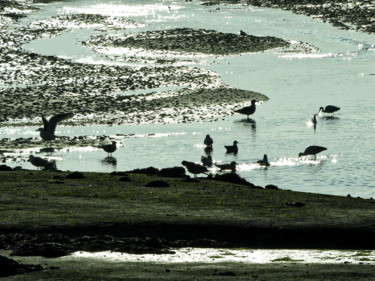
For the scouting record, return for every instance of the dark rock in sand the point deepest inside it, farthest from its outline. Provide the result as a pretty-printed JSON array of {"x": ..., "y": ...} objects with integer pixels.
[
  {"x": 5, "y": 168},
  {"x": 174, "y": 172},
  {"x": 271, "y": 186},
  {"x": 234, "y": 178},
  {"x": 295, "y": 204},
  {"x": 158, "y": 183},
  {"x": 146, "y": 171},
  {"x": 75, "y": 175},
  {"x": 9, "y": 267},
  {"x": 124, "y": 179}
]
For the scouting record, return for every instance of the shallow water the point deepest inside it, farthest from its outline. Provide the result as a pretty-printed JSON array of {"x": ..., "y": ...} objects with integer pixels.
[{"x": 339, "y": 72}]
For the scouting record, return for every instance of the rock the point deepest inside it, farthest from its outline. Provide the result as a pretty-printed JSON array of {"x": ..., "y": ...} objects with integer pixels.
[
  {"x": 147, "y": 171},
  {"x": 295, "y": 204},
  {"x": 174, "y": 172},
  {"x": 10, "y": 267},
  {"x": 234, "y": 178},
  {"x": 75, "y": 175},
  {"x": 5, "y": 168},
  {"x": 124, "y": 179},
  {"x": 271, "y": 186},
  {"x": 158, "y": 183}
]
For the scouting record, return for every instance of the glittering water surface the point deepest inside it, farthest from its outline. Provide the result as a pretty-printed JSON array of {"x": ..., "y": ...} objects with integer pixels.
[
  {"x": 339, "y": 71},
  {"x": 247, "y": 256}
]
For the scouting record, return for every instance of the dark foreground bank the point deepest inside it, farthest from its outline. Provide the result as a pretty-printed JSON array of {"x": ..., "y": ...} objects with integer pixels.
[{"x": 54, "y": 214}]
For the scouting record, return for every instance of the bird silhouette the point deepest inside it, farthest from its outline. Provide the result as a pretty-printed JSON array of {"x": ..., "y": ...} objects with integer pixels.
[
  {"x": 109, "y": 148},
  {"x": 312, "y": 150},
  {"x": 42, "y": 163},
  {"x": 264, "y": 161},
  {"x": 206, "y": 161},
  {"x": 208, "y": 141},
  {"x": 232, "y": 148},
  {"x": 231, "y": 166},
  {"x": 194, "y": 168},
  {"x": 314, "y": 121},
  {"x": 329, "y": 109},
  {"x": 247, "y": 110},
  {"x": 47, "y": 133}
]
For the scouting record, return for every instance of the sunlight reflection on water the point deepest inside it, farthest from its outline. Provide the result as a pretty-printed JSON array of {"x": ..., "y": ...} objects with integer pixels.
[{"x": 203, "y": 255}]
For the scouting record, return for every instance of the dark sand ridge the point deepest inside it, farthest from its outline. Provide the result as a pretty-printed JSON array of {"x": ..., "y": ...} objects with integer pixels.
[
  {"x": 38, "y": 83},
  {"x": 344, "y": 14},
  {"x": 102, "y": 212}
]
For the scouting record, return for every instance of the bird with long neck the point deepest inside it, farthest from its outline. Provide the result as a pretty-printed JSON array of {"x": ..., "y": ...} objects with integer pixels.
[
  {"x": 264, "y": 161},
  {"x": 329, "y": 109},
  {"x": 312, "y": 150}
]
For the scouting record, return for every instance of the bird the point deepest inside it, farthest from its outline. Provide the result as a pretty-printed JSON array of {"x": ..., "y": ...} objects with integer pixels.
[
  {"x": 247, "y": 110},
  {"x": 314, "y": 121},
  {"x": 47, "y": 133},
  {"x": 232, "y": 148},
  {"x": 243, "y": 33},
  {"x": 208, "y": 141},
  {"x": 109, "y": 148},
  {"x": 42, "y": 163},
  {"x": 264, "y": 161},
  {"x": 231, "y": 166},
  {"x": 329, "y": 109},
  {"x": 206, "y": 161},
  {"x": 194, "y": 168},
  {"x": 312, "y": 150}
]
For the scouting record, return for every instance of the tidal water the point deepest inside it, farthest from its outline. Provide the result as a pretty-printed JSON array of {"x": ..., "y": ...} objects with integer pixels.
[{"x": 339, "y": 72}]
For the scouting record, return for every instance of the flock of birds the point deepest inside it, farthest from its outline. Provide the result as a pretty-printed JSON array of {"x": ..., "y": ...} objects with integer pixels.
[{"x": 47, "y": 133}]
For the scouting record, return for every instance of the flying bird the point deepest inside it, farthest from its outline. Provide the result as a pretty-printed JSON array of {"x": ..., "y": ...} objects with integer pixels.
[
  {"x": 42, "y": 163},
  {"x": 329, "y": 109},
  {"x": 109, "y": 148},
  {"x": 47, "y": 133},
  {"x": 247, "y": 110},
  {"x": 232, "y": 148},
  {"x": 231, "y": 166},
  {"x": 264, "y": 161},
  {"x": 194, "y": 168},
  {"x": 312, "y": 150}
]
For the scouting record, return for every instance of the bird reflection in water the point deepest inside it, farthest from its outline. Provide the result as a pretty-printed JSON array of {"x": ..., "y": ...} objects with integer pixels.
[
  {"x": 109, "y": 161},
  {"x": 48, "y": 150}
]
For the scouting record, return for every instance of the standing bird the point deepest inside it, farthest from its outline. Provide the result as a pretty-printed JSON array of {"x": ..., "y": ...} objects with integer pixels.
[
  {"x": 314, "y": 121},
  {"x": 247, "y": 110},
  {"x": 42, "y": 163},
  {"x": 329, "y": 109},
  {"x": 206, "y": 161},
  {"x": 208, "y": 141},
  {"x": 231, "y": 166},
  {"x": 232, "y": 148},
  {"x": 47, "y": 133},
  {"x": 194, "y": 168},
  {"x": 312, "y": 150},
  {"x": 264, "y": 162},
  {"x": 110, "y": 148}
]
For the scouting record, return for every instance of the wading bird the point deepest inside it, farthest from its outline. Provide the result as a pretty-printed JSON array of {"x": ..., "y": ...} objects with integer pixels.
[
  {"x": 232, "y": 148},
  {"x": 208, "y": 141},
  {"x": 329, "y": 109},
  {"x": 247, "y": 110},
  {"x": 264, "y": 161},
  {"x": 110, "y": 148},
  {"x": 231, "y": 166},
  {"x": 194, "y": 168},
  {"x": 206, "y": 161},
  {"x": 312, "y": 150},
  {"x": 42, "y": 163}
]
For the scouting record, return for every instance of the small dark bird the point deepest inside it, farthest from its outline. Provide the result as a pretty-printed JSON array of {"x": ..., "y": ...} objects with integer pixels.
[
  {"x": 206, "y": 161},
  {"x": 109, "y": 148},
  {"x": 47, "y": 133},
  {"x": 247, "y": 110},
  {"x": 314, "y": 121},
  {"x": 232, "y": 148},
  {"x": 194, "y": 168},
  {"x": 243, "y": 33},
  {"x": 329, "y": 109},
  {"x": 312, "y": 150},
  {"x": 208, "y": 141},
  {"x": 264, "y": 161},
  {"x": 42, "y": 163},
  {"x": 231, "y": 166}
]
